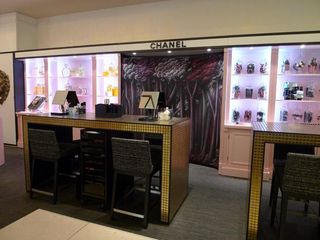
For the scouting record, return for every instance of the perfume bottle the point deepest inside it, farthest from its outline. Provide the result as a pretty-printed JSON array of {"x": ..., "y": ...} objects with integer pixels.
[
  {"x": 109, "y": 90},
  {"x": 66, "y": 71}
]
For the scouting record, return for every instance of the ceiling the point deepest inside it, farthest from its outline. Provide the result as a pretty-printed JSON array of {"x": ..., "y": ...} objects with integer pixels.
[{"x": 49, "y": 8}]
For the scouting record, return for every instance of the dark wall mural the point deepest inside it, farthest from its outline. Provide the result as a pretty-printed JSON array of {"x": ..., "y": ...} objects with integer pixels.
[{"x": 192, "y": 87}]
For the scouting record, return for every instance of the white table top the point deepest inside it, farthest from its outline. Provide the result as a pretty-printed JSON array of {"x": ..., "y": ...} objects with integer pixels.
[{"x": 41, "y": 224}]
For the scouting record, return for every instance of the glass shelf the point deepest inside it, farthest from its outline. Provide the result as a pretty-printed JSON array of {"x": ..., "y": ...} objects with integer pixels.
[
  {"x": 299, "y": 74},
  {"x": 298, "y": 101},
  {"x": 249, "y": 99},
  {"x": 35, "y": 77},
  {"x": 251, "y": 74}
]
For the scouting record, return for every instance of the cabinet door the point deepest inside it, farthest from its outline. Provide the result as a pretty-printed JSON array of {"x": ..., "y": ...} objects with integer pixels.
[
  {"x": 239, "y": 150},
  {"x": 236, "y": 152},
  {"x": 236, "y": 157}
]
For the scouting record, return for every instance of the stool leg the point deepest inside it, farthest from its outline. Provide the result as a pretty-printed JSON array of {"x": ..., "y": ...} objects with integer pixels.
[
  {"x": 272, "y": 188},
  {"x": 114, "y": 185},
  {"x": 55, "y": 183},
  {"x": 283, "y": 215},
  {"x": 306, "y": 207},
  {"x": 32, "y": 177},
  {"x": 274, "y": 200},
  {"x": 146, "y": 201}
]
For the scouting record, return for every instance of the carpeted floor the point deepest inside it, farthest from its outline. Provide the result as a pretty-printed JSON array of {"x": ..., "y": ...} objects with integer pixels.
[{"x": 214, "y": 209}]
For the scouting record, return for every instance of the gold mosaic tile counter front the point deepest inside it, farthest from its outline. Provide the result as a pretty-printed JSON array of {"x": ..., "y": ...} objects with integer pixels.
[
  {"x": 301, "y": 134},
  {"x": 175, "y": 149}
]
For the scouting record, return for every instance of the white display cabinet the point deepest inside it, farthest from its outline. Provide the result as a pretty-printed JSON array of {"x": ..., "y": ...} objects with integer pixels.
[
  {"x": 249, "y": 85},
  {"x": 247, "y": 98},
  {"x": 95, "y": 79},
  {"x": 107, "y": 78},
  {"x": 292, "y": 83},
  {"x": 298, "y": 85},
  {"x": 36, "y": 80}
]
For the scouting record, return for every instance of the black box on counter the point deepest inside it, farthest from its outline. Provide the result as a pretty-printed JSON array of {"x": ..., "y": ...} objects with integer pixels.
[{"x": 108, "y": 110}]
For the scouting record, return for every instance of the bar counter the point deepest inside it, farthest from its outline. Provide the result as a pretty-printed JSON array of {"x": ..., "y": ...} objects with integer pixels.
[
  {"x": 262, "y": 133},
  {"x": 175, "y": 148}
]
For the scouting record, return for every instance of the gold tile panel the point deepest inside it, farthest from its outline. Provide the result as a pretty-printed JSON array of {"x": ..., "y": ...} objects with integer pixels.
[{"x": 180, "y": 167}]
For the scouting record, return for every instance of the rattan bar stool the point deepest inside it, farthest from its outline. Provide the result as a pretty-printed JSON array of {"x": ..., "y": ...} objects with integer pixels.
[
  {"x": 301, "y": 182},
  {"x": 132, "y": 158},
  {"x": 44, "y": 147},
  {"x": 280, "y": 155}
]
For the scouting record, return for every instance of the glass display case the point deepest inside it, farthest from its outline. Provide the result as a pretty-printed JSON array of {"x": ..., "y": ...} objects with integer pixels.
[
  {"x": 107, "y": 78},
  {"x": 298, "y": 85},
  {"x": 94, "y": 78},
  {"x": 36, "y": 80},
  {"x": 249, "y": 85}
]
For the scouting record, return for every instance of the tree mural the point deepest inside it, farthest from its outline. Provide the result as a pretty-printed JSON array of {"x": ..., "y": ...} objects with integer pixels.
[{"x": 192, "y": 87}]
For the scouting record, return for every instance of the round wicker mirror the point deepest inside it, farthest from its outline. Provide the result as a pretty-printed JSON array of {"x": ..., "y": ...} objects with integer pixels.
[{"x": 4, "y": 86}]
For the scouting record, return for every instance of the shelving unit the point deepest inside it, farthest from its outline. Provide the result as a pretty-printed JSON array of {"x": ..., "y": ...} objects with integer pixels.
[
  {"x": 94, "y": 184},
  {"x": 89, "y": 75},
  {"x": 95, "y": 78},
  {"x": 248, "y": 97},
  {"x": 281, "y": 103},
  {"x": 290, "y": 77},
  {"x": 249, "y": 85}
]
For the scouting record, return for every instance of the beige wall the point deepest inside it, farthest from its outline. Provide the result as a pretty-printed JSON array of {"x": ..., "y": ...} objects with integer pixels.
[
  {"x": 7, "y": 108},
  {"x": 26, "y": 32},
  {"x": 178, "y": 19},
  {"x": 8, "y": 32},
  {"x": 17, "y": 32}
]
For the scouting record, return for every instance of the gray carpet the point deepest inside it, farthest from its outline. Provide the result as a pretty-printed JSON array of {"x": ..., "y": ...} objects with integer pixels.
[{"x": 214, "y": 209}]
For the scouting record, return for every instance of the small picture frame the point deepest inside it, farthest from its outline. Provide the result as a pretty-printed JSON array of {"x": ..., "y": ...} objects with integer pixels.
[{"x": 36, "y": 103}]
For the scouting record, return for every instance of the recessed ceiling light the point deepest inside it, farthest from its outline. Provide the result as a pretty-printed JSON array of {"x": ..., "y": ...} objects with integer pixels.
[
  {"x": 302, "y": 46},
  {"x": 169, "y": 51},
  {"x": 134, "y": 53},
  {"x": 209, "y": 49},
  {"x": 251, "y": 48}
]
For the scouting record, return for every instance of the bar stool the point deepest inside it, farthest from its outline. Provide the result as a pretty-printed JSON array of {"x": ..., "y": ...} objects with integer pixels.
[
  {"x": 132, "y": 158},
  {"x": 44, "y": 147},
  {"x": 279, "y": 162}
]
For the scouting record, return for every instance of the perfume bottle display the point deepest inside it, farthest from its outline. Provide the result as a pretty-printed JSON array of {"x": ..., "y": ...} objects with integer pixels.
[
  {"x": 247, "y": 115},
  {"x": 312, "y": 67},
  {"x": 236, "y": 116},
  {"x": 66, "y": 71},
  {"x": 292, "y": 91},
  {"x": 262, "y": 92},
  {"x": 307, "y": 117},
  {"x": 284, "y": 115},
  {"x": 236, "y": 92},
  {"x": 260, "y": 116},
  {"x": 250, "y": 68},
  {"x": 249, "y": 92},
  {"x": 310, "y": 92},
  {"x": 263, "y": 68},
  {"x": 238, "y": 68},
  {"x": 299, "y": 66}
]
